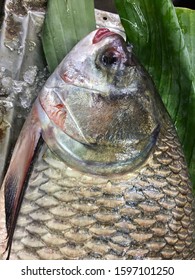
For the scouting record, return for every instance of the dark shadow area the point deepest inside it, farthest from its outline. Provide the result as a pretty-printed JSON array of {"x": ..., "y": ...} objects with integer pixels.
[
  {"x": 185, "y": 3},
  {"x": 2, "y": 2},
  {"x": 108, "y": 5},
  {"x": 105, "y": 5}
]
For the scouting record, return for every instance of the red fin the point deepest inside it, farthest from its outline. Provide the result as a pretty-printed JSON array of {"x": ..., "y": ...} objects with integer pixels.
[{"x": 13, "y": 184}]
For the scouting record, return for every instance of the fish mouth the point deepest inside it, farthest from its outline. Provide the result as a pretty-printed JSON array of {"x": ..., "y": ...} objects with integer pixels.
[{"x": 101, "y": 34}]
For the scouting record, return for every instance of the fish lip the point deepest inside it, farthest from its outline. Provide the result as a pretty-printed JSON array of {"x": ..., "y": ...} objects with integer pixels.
[{"x": 102, "y": 33}]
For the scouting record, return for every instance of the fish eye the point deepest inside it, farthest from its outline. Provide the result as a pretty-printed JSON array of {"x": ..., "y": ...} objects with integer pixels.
[{"x": 109, "y": 59}]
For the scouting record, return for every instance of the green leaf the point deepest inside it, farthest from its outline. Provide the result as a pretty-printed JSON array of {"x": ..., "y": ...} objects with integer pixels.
[
  {"x": 66, "y": 23},
  {"x": 186, "y": 19},
  {"x": 163, "y": 39}
]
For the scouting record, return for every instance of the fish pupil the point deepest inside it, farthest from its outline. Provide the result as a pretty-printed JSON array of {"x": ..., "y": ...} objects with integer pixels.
[{"x": 109, "y": 59}]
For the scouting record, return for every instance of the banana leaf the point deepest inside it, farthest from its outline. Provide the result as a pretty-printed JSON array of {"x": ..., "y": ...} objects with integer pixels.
[
  {"x": 163, "y": 39},
  {"x": 66, "y": 23}
]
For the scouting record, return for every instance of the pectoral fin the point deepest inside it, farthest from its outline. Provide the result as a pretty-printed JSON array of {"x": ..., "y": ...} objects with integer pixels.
[{"x": 12, "y": 189}]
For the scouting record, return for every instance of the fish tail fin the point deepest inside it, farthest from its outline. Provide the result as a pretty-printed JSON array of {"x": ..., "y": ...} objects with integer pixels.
[{"x": 13, "y": 184}]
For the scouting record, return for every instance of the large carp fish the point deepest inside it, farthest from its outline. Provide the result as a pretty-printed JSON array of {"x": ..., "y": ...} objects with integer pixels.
[{"x": 109, "y": 179}]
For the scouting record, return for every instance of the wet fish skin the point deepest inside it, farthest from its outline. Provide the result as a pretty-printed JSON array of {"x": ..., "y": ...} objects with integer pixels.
[{"x": 119, "y": 186}]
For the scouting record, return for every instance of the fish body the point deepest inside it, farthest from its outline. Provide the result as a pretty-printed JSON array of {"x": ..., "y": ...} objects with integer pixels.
[{"x": 110, "y": 181}]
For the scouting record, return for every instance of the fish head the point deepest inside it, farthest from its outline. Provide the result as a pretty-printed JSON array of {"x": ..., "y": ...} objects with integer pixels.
[
  {"x": 106, "y": 97},
  {"x": 96, "y": 61}
]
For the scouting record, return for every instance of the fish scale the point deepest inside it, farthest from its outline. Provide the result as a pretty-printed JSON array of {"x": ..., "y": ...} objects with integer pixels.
[{"x": 147, "y": 213}]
